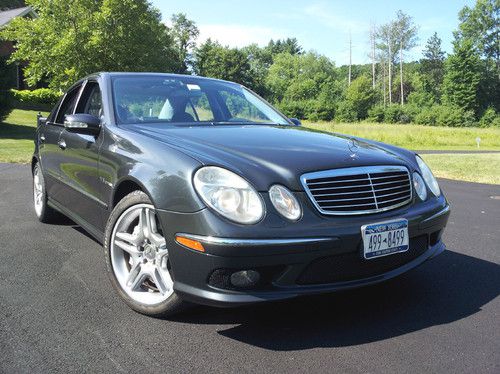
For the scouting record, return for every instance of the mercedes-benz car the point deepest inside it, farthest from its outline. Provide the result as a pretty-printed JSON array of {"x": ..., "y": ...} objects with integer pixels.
[{"x": 202, "y": 192}]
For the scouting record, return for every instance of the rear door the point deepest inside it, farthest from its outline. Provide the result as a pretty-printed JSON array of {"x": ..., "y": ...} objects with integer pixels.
[
  {"x": 49, "y": 136},
  {"x": 79, "y": 163}
]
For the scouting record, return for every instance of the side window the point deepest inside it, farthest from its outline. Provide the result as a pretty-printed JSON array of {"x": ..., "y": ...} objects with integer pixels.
[
  {"x": 90, "y": 102},
  {"x": 68, "y": 104},
  {"x": 199, "y": 107}
]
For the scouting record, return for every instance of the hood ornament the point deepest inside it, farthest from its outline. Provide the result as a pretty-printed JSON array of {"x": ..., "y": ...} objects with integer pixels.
[{"x": 353, "y": 148}]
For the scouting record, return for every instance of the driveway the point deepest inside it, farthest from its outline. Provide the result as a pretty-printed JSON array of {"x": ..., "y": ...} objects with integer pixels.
[{"x": 58, "y": 312}]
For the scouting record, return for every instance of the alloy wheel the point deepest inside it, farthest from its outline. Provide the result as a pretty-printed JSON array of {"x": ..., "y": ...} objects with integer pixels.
[{"x": 139, "y": 256}]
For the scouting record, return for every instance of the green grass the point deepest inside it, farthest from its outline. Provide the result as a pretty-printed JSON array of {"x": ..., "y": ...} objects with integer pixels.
[
  {"x": 479, "y": 167},
  {"x": 418, "y": 137},
  {"x": 17, "y": 132}
]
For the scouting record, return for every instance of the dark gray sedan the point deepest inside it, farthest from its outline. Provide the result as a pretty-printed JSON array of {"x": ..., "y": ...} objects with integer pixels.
[{"x": 200, "y": 191}]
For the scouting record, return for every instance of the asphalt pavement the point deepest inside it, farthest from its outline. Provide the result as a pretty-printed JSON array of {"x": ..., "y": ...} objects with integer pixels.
[{"x": 58, "y": 312}]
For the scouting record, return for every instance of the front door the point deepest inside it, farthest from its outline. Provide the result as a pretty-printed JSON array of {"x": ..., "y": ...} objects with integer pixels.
[{"x": 79, "y": 163}]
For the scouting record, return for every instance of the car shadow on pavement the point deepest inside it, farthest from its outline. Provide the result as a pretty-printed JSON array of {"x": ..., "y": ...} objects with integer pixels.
[{"x": 443, "y": 290}]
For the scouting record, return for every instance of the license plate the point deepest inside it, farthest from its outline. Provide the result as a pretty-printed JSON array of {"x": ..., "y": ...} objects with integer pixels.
[{"x": 385, "y": 238}]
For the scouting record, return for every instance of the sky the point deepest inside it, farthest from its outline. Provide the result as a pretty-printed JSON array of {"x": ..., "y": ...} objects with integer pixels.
[{"x": 320, "y": 25}]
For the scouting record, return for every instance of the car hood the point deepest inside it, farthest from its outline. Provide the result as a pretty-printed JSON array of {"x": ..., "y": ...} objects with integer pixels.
[{"x": 273, "y": 154}]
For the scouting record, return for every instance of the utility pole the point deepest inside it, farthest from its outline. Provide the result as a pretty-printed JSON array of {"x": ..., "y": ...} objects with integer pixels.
[
  {"x": 372, "y": 37},
  {"x": 350, "y": 58},
  {"x": 389, "y": 60},
  {"x": 384, "y": 82},
  {"x": 401, "y": 69}
]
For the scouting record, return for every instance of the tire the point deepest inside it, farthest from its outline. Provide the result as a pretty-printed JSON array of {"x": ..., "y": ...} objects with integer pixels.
[
  {"x": 44, "y": 213},
  {"x": 137, "y": 258}
]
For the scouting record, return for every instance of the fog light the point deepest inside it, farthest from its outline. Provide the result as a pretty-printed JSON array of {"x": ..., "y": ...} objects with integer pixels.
[{"x": 245, "y": 278}]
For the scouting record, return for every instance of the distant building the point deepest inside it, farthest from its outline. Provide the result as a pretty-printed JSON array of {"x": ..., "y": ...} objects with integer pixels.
[{"x": 12, "y": 75}]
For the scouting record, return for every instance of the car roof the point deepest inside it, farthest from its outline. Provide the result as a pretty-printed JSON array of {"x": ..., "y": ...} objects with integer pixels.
[{"x": 149, "y": 74}]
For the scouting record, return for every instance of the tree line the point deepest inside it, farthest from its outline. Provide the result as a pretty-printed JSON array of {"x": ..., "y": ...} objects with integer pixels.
[{"x": 72, "y": 38}]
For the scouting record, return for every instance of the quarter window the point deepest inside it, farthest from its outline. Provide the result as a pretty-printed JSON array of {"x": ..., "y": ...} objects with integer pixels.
[
  {"x": 91, "y": 101},
  {"x": 68, "y": 104}
]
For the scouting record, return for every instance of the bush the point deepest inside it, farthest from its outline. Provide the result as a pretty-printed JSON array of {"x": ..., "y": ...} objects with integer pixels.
[
  {"x": 39, "y": 99},
  {"x": 397, "y": 114},
  {"x": 346, "y": 112},
  {"x": 376, "y": 114},
  {"x": 489, "y": 118},
  {"x": 445, "y": 115}
]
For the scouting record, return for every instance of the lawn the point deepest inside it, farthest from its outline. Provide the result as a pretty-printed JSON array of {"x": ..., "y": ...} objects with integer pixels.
[
  {"x": 16, "y": 136},
  {"x": 17, "y": 131},
  {"x": 479, "y": 168},
  {"x": 418, "y": 137}
]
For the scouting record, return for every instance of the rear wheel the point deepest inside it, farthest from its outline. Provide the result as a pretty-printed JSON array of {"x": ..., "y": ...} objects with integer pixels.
[
  {"x": 43, "y": 212},
  {"x": 137, "y": 257}
]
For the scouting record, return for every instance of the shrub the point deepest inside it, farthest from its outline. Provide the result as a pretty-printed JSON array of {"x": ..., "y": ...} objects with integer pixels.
[
  {"x": 445, "y": 115},
  {"x": 489, "y": 118},
  {"x": 346, "y": 112},
  {"x": 393, "y": 113},
  {"x": 454, "y": 116},
  {"x": 295, "y": 109},
  {"x": 427, "y": 116},
  {"x": 41, "y": 98},
  {"x": 376, "y": 114}
]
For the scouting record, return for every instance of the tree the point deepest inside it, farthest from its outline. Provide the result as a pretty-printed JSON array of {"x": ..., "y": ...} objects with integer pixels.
[
  {"x": 406, "y": 33},
  {"x": 393, "y": 39},
  {"x": 288, "y": 45},
  {"x": 73, "y": 38},
  {"x": 432, "y": 67},
  {"x": 361, "y": 96},
  {"x": 184, "y": 33},
  {"x": 216, "y": 61},
  {"x": 481, "y": 24},
  {"x": 462, "y": 76}
]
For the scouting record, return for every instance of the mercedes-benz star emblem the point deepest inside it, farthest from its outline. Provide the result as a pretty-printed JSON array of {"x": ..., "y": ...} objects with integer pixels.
[{"x": 353, "y": 147}]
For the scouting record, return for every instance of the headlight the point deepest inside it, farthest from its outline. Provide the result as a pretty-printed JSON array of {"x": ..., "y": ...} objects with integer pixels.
[
  {"x": 284, "y": 202},
  {"x": 229, "y": 194},
  {"x": 428, "y": 177},
  {"x": 419, "y": 185}
]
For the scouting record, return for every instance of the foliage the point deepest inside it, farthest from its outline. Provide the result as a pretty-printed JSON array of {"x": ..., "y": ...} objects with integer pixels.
[
  {"x": 216, "y": 61},
  {"x": 184, "y": 33},
  {"x": 432, "y": 67},
  {"x": 481, "y": 24},
  {"x": 490, "y": 118},
  {"x": 43, "y": 98},
  {"x": 442, "y": 115},
  {"x": 361, "y": 96},
  {"x": 71, "y": 39},
  {"x": 462, "y": 77}
]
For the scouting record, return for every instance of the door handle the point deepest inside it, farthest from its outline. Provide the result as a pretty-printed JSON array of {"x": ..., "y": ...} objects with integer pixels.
[
  {"x": 62, "y": 144},
  {"x": 42, "y": 138}
]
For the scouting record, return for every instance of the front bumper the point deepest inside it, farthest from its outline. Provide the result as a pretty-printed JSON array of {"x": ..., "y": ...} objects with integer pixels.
[{"x": 292, "y": 264}]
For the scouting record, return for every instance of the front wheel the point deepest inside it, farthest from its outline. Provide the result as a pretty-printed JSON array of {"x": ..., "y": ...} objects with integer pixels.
[{"x": 137, "y": 257}]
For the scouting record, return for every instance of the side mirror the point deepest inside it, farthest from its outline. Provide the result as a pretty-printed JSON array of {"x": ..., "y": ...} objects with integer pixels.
[
  {"x": 295, "y": 121},
  {"x": 82, "y": 123},
  {"x": 40, "y": 120}
]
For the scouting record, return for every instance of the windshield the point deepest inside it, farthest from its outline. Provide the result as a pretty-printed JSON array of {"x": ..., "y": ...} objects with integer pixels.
[{"x": 188, "y": 100}]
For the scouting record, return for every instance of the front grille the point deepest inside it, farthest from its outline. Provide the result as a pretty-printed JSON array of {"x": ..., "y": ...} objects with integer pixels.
[
  {"x": 359, "y": 190},
  {"x": 352, "y": 266}
]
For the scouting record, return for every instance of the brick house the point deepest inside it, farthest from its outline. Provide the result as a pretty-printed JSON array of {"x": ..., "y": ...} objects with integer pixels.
[{"x": 12, "y": 75}]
